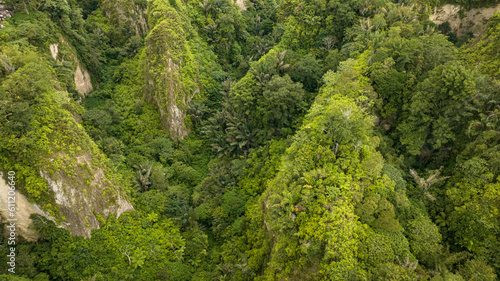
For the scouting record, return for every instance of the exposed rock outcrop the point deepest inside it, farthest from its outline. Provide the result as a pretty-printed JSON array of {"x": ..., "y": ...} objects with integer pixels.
[
  {"x": 83, "y": 83},
  {"x": 78, "y": 176},
  {"x": 126, "y": 13},
  {"x": 241, "y": 4},
  {"x": 56, "y": 162},
  {"x": 474, "y": 20},
  {"x": 54, "y": 50},
  {"x": 83, "y": 197},
  {"x": 4, "y": 14},
  {"x": 24, "y": 210},
  {"x": 80, "y": 199},
  {"x": 171, "y": 71}
]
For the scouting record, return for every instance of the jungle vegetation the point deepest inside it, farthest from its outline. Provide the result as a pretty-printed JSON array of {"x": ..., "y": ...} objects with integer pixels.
[{"x": 321, "y": 139}]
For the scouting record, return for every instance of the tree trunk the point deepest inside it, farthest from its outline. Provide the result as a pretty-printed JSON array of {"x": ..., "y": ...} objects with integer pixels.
[{"x": 25, "y": 8}]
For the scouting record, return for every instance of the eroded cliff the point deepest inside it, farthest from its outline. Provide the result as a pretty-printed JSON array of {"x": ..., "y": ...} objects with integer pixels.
[
  {"x": 172, "y": 72},
  {"x": 57, "y": 164}
]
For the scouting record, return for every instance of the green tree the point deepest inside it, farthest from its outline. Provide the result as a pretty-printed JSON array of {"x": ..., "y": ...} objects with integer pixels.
[
  {"x": 438, "y": 112},
  {"x": 308, "y": 72}
]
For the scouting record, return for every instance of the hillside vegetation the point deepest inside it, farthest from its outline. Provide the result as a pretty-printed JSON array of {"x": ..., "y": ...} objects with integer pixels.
[{"x": 290, "y": 140}]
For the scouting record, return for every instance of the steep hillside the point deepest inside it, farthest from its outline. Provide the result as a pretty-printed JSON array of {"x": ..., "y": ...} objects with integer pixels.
[
  {"x": 127, "y": 14},
  {"x": 462, "y": 22},
  {"x": 171, "y": 68},
  {"x": 63, "y": 53},
  {"x": 483, "y": 52},
  {"x": 24, "y": 210},
  {"x": 57, "y": 163},
  {"x": 251, "y": 140}
]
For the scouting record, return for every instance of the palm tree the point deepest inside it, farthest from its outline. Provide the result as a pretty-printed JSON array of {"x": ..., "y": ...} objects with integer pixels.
[
  {"x": 143, "y": 173},
  {"x": 206, "y": 6},
  {"x": 281, "y": 66},
  {"x": 425, "y": 184},
  {"x": 211, "y": 29}
]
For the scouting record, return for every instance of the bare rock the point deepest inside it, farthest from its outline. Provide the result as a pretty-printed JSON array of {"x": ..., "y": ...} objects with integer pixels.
[
  {"x": 24, "y": 210},
  {"x": 82, "y": 81}
]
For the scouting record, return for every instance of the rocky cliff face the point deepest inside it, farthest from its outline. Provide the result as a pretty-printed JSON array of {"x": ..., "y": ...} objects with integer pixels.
[
  {"x": 24, "y": 210},
  {"x": 4, "y": 14},
  {"x": 75, "y": 177},
  {"x": 241, "y": 4},
  {"x": 127, "y": 13},
  {"x": 474, "y": 20},
  {"x": 82, "y": 190},
  {"x": 84, "y": 196},
  {"x": 171, "y": 70},
  {"x": 78, "y": 201},
  {"x": 57, "y": 164},
  {"x": 77, "y": 174},
  {"x": 83, "y": 83}
]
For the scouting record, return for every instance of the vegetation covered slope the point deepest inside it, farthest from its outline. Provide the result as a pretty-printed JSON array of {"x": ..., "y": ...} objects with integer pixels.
[
  {"x": 58, "y": 165},
  {"x": 294, "y": 140},
  {"x": 483, "y": 50}
]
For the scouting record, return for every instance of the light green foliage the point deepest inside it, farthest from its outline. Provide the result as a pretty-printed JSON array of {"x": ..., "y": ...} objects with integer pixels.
[
  {"x": 381, "y": 247},
  {"x": 473, "y": 193},
  {"x": 468, "y": 4},
  {"x": 378, "y": 213},
  {"x": 173, "y": 62},
  {"x": 307, "y": 205},
  {"x": 474, "y": 269},
  {"x": 482, "y": 51},
  {"x": 252, "y": 140},
  {"x": 392, "y": 272},
  {"x": 153, "y": 201},
  {"x": 447, "y": 276},
  {"x": 134, "y": 246},
  {"x": 11, "y": 277},
  {"x": 424, "y": 239},
  {"x": 396, "y": 175},
  {"x": 43, "y": 135},
  {"x": 262, "y": 167}
]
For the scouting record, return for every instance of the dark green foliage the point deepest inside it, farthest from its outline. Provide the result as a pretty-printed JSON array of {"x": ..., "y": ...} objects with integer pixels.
[
  {"x": 333, "y": 60},
  {"x": 424, "y": 239},
  {"x": 263, "y": 105},
  {"x": 390, "y": 85},
  {"x": 308, "y": 72},
  {"x": 438, "y": 110},
  {"x": 297, "y": 140},
  {"x": 233, "y": 204}
]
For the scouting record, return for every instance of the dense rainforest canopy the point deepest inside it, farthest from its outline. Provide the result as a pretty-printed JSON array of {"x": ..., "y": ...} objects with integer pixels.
[{"x": 255, "y": 140}]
